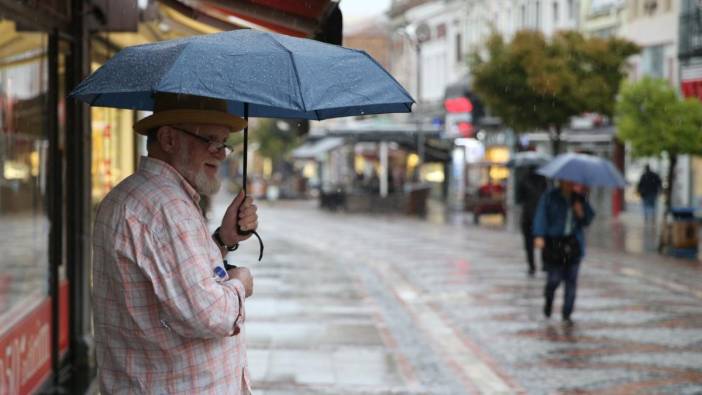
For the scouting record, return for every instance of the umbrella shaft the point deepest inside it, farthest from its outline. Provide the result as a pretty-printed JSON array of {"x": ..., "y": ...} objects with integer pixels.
[{"x": 246, "y": 143}]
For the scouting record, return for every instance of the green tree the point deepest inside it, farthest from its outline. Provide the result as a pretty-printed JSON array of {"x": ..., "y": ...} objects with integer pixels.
[
  {"x": 535, "y": 83},
  {"x": 654, "y": 120},
  {"x": 273, "y": 142}
]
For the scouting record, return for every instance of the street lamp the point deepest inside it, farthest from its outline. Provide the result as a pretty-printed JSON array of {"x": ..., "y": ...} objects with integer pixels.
[{"x": 417, "y": 34}]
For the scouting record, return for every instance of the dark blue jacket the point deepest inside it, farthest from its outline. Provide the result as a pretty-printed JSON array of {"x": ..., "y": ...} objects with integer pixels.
[{"x": 551, "y": 212}]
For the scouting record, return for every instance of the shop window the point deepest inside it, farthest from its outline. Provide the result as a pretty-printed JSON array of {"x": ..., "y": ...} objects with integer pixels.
[
  {"x": 441, "y": 31},
  {"x": 652, "y": 61},
  {"x": 113, "y": 149},
  {"x": 24, "y": 148},
  {"x": 459, "y": 48},
  {"x": 571, "y": 10}
]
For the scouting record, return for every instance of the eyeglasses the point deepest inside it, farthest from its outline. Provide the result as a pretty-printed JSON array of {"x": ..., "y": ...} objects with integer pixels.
[{"x": 213, "y": 146}]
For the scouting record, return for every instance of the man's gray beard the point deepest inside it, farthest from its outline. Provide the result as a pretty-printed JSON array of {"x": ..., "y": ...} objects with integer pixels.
[{"x": 199, "y": 180}]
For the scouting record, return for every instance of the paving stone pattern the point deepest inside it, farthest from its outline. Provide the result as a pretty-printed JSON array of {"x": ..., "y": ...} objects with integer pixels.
[{"x": 376, "y": 304}]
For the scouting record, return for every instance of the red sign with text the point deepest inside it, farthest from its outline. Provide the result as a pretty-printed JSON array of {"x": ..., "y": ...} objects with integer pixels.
[
  {"x": 458, "y": 104},
  {"x": 692, "y": 88},
  {"x": 26, "y": 352},
  {"x": 25, "y": 349}
]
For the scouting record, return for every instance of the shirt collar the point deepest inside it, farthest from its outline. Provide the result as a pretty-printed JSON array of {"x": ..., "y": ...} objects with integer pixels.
[{"x": 163, "y": 169}]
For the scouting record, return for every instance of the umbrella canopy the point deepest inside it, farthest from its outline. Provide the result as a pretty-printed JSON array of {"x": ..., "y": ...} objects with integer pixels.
[
  {"x": 274, "y": 75},
  {"x": 528, "y": 158},
  {"x": 584, "y": 169},
  {"x": 258, "y": 74}
]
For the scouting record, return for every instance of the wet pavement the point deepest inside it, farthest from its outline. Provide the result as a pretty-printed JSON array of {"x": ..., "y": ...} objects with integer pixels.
[{"x": 361, "y": 304}]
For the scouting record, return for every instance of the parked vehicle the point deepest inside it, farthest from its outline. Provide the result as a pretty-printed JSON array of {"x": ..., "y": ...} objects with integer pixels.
[{"x": 485, "y": 193}]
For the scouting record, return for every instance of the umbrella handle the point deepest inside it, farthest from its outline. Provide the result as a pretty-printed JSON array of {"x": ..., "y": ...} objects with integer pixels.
[{"x": 245, "y": 159}]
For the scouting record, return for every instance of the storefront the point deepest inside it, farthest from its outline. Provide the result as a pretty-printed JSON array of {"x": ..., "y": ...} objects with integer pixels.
[
  {"x": 45, "y": 193},
  {"x": 34, "y": 288},
  {"x": 379, "y": 165},
  {"x": 690, "y": 56},
  {"x": 113, "y": 149}
]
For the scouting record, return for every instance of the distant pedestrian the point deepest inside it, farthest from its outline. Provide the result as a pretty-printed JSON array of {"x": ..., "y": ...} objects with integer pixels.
[
  {"x": 560, "y": 218},
  {"x": 529, "y": 190},
  {"x": 648, "y": 188}
]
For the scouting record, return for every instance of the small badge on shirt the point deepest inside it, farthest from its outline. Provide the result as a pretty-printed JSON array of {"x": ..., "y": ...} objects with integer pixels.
[{"x": 165, "y": 325}]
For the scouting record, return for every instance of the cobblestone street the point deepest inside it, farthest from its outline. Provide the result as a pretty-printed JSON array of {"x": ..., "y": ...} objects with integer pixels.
[{"x": 360, "y": 304}]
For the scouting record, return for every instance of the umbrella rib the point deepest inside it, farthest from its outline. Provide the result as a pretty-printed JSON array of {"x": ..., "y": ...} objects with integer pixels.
[
  {"x": 385, "y": 71},
  {"x": 171, "y": 67},
  {"x": 297, "y": 75},
  {"x": 97, "y": 96}
]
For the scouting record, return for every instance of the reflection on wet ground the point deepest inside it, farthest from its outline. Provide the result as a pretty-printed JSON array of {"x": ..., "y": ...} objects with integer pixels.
[
  {"x": 23, "y": 265},
  {"x": 359, "y": 304},
  {"x": 628, "y": 232}
]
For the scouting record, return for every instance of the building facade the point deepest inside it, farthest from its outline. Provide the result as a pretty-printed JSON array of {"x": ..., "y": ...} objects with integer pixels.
[
  {"x": 45, "y": 194},
  {"x": 690, "y": 59},
  {"x": 602, "y": 18},
  {"x": 432, "y": 44},
  {"x": 668, "y": 31}
]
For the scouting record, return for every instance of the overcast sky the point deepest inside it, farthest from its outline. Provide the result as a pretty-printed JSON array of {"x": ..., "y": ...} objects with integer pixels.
[{"x": 354, "y": 10}]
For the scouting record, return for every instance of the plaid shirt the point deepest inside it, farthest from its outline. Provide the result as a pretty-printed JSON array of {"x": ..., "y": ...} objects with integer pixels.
[{"x": 163, "y": 324}]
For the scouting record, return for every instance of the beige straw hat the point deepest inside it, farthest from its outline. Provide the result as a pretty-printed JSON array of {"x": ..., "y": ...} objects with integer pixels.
[{"x": 173, "y": 109}]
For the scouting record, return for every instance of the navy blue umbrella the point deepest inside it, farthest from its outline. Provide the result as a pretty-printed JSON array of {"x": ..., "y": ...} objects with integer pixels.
[
  {"x": 274, "y": 75},
  {"x": 259, "y": 74},
  {"x": 583, "y": 169}
]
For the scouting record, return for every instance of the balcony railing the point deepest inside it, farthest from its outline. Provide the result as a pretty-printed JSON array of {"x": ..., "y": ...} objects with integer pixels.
[{"x": 690, "y": 33}]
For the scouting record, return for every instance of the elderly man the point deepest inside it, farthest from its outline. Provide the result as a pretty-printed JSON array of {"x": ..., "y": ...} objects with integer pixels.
[{"x": 168, "y": 317}]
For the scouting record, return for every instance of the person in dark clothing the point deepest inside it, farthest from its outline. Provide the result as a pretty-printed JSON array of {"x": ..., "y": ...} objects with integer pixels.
[
  {"x": 648, "y": 188},
  {"x": 562, "y": 213},
  {"x": 529, "y": 190}
]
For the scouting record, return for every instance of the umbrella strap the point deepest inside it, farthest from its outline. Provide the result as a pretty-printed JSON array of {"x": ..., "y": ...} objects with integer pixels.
[
  {"x": 246, "y": 161},
  {"x": 260, "y": 246}
]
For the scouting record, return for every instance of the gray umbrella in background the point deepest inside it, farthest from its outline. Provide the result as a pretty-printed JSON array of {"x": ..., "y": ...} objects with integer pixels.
[
  {"x": 528, "y": 158},
  {"x": 584, "y": 169}
]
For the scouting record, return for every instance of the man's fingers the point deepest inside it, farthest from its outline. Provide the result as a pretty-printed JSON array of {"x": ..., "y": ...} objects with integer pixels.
[
  {"x": 247, "y": 202},
  {"x": 248, "y": 211},
  {"x": 249, "y": 223},
  {"x": 237, "y": 200}
]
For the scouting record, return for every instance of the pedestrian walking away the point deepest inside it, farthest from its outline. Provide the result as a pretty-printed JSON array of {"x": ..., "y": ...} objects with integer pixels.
[
  {"x": 649, "y": 187},
  {"x": 169, "y": 317},
  {"x": 529, "y": 190},
  {"x": 562, "y": 214}
]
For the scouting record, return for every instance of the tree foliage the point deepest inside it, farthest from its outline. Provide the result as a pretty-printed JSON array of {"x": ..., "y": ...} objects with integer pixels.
[
  {"x": 653, "y": 119},
  {"x": 534, "y": 83},
  {"x": 273, "y": 142}
]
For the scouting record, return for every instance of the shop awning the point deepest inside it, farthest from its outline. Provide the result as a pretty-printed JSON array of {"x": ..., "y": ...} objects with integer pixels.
[
  {"x": 173, "y": 19},
  {"x": 405, "y": 134},
  {"x": 295, "y": 18},
  {"x": 604, "y": 134},
  {"x": 372, "y": 131},
  {"x": 314, "y": 149}
]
